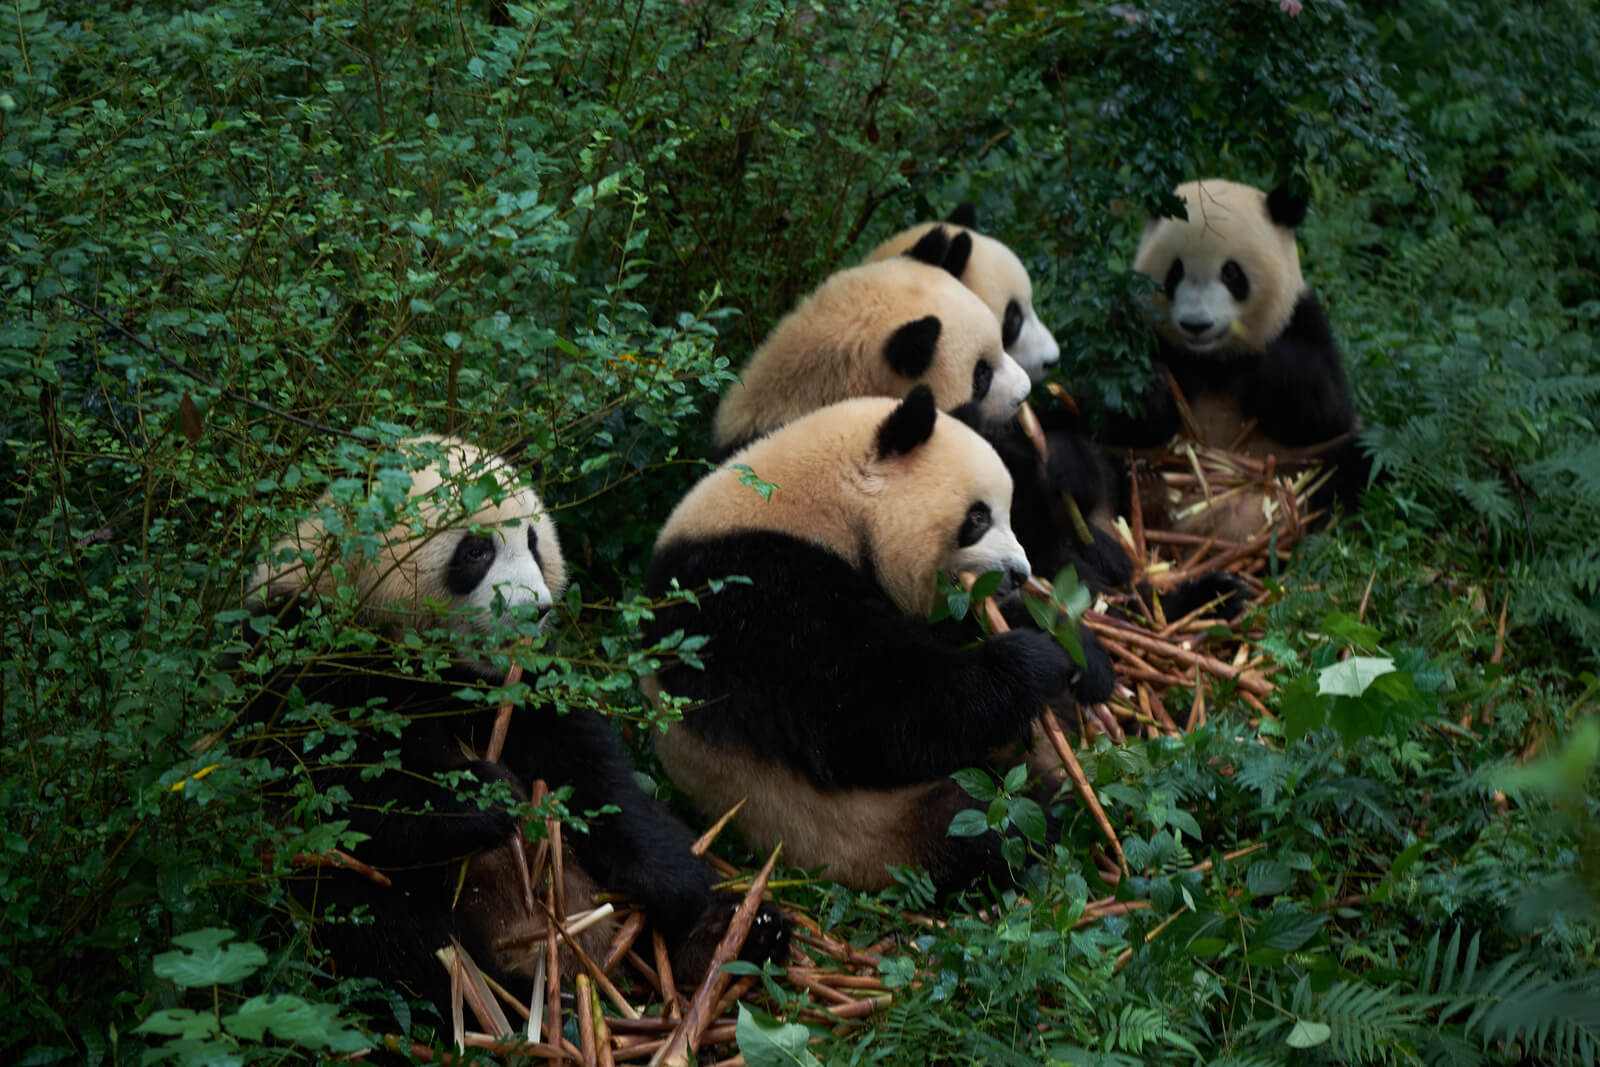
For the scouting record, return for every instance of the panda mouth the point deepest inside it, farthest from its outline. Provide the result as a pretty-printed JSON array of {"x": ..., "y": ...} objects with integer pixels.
[{"x": 1210, "y": 341}]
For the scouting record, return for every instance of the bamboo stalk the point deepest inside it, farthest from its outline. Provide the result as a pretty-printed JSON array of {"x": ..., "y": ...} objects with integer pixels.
[
  {"x": 686, "y": 1038},
  {"x": 1249, "y": 681},
  {"x": 703, "y": 842},
  {"x": 1058, "y": 741}
]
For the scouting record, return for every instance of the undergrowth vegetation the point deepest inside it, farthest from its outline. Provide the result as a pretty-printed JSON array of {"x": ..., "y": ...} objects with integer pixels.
[{"x": 246, "y": 242}]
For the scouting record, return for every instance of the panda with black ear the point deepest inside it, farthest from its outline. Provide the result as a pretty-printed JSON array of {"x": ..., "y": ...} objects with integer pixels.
[
  {"x": 473, "y": 539},
  {"x": 828, "y": 702},
  {"x": 996, "y": 275},
  {"x": 1073, "y": 467},
  {"x": 879, "y": 329},
  {"x": 1242, "y": 335}
]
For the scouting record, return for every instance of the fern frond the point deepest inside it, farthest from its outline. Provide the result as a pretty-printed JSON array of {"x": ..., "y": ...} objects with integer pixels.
[
  {"x": 1548, "y": 1014},
  {"x": 1369, "y": 1022}
]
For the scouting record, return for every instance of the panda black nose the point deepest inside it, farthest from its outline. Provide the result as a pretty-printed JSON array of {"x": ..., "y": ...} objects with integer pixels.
[
  {"x": 1016, "y": 578},
  {"x": 1195, "y": 326}
]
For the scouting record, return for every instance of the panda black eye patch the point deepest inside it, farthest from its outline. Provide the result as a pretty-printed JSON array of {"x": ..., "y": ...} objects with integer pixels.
[
  {"x": 1234, "y": 277},
  {"x": 982, "y": 378},
  {"x": 470, "y": 562},
  {"x": 975, "y": 525},
  {"x": 1013, "y": 324},
  {"x": 533, "y": 545},
  {"x": 1174, "y": 276}
]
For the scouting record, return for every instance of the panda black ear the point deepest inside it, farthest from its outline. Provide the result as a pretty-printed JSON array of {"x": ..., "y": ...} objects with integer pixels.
[
  {"x": 931, "y": 247},
  {"x": 1287, "y": 207},
  {"x": 908, "y": 425},
  {"x": 955, "y": 260},
  {"x": 938, "y": 249},
  {"x": 965, "y": 214},
  {"x": 910, "y": 348}
]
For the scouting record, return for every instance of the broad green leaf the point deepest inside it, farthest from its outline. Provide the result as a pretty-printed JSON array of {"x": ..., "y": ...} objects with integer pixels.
[
  {"x": 1352, "y": 677},
  {"x": 292, "y": 1019},
  {"x": 207, "y": 962},
  {"x": 976, "y": 783},
  {"x": 1028, "y": 817},
  {"x": 182, "y": 1022},
  {"x": 968, "y": 823},
  {"x": 765, "y": 1042},
  {"x": 1267, "y": 878},
  {"x": 1307, "y": 1034}
]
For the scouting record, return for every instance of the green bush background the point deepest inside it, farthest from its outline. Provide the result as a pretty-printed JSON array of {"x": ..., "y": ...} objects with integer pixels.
[{"x": 243, "y": 241}]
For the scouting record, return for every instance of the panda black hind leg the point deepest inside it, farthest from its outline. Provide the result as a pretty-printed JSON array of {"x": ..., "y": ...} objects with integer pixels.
[{"x": 639, "y": 849}]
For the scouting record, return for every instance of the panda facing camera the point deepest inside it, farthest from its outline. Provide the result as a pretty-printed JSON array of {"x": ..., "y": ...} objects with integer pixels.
[
  {"x": 1241, "y": 333},
  {"x": 470, "y": 541}
]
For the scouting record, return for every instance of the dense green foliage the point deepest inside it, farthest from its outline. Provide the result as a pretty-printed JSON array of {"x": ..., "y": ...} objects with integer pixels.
[{"x": 244, "y": 241}]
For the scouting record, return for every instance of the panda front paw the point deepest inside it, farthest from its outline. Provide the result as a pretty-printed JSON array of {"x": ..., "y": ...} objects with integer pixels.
[
  {"x": 1034, "y": 662},
  {"x": 1092, "y": 683},
  {"x": 768, "y": 938}
]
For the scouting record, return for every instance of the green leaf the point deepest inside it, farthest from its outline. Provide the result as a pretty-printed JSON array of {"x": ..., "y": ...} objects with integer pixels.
[
  {"x": 179, "y": 1021},
  {"x": 968, "y": 822},
  {"x": 1302, "y": 708},
  {"x": 1307, "y": 1034},
  {"x": 207, "y": 962},
  {"x": 976, "y": 783},
  {"x": 1028, "y": 817},
  {"x": 292, "y": 1019},
  {"x": 1352, "y": 677},
  {"x": 765, "y": 1042},
  {"x": 1267, "y": 878}
]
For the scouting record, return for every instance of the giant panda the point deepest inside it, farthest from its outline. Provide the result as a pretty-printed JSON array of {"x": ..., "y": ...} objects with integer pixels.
[
  {"x": 469, "y": 539},
  {"x": 1242, "y": 335},
  {"x": 879, "y": 329},
  {"x": 996, "y": 275},
  {"x": 1073, "y": 467},
  {"x": 827, "y": 700}
]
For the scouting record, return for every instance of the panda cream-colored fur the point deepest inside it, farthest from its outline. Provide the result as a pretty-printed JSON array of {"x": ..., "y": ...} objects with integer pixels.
[
  {"x": 454, "y": 567},
  {"x": 1247, "y": 343},
  {"x": 828, "y": 702},
  {"x": 1241, "y": 332},
  {"x": 456, "y": 550},
  {"x": 997, "y": 276},
  {"x": 879, "y": 329}
]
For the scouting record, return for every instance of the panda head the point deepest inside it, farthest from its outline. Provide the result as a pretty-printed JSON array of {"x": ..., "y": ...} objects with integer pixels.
[
  {"x": 995, "y": 274},
  {"x": 897, "y": 489},
  {"x": 1230, "y": 271},
  {"x": 880, "y": 329},
  {"x": 471, "y": 540}
]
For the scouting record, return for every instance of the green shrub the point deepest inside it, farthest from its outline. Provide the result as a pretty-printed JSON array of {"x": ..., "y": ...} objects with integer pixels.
[{"x": 245, "y": 242}]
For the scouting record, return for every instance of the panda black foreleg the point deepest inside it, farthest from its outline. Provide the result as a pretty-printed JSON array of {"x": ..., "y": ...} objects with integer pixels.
[
  {"x": 1298, "y": 393},
  {"x": 640, "y": 850}
]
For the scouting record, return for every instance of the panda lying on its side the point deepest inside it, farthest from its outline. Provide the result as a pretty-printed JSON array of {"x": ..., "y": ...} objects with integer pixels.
[
  {"x": 1074, "y": 467},
  {"x": 827, "y": 700},
  {"x": 448, "y": 570}
]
